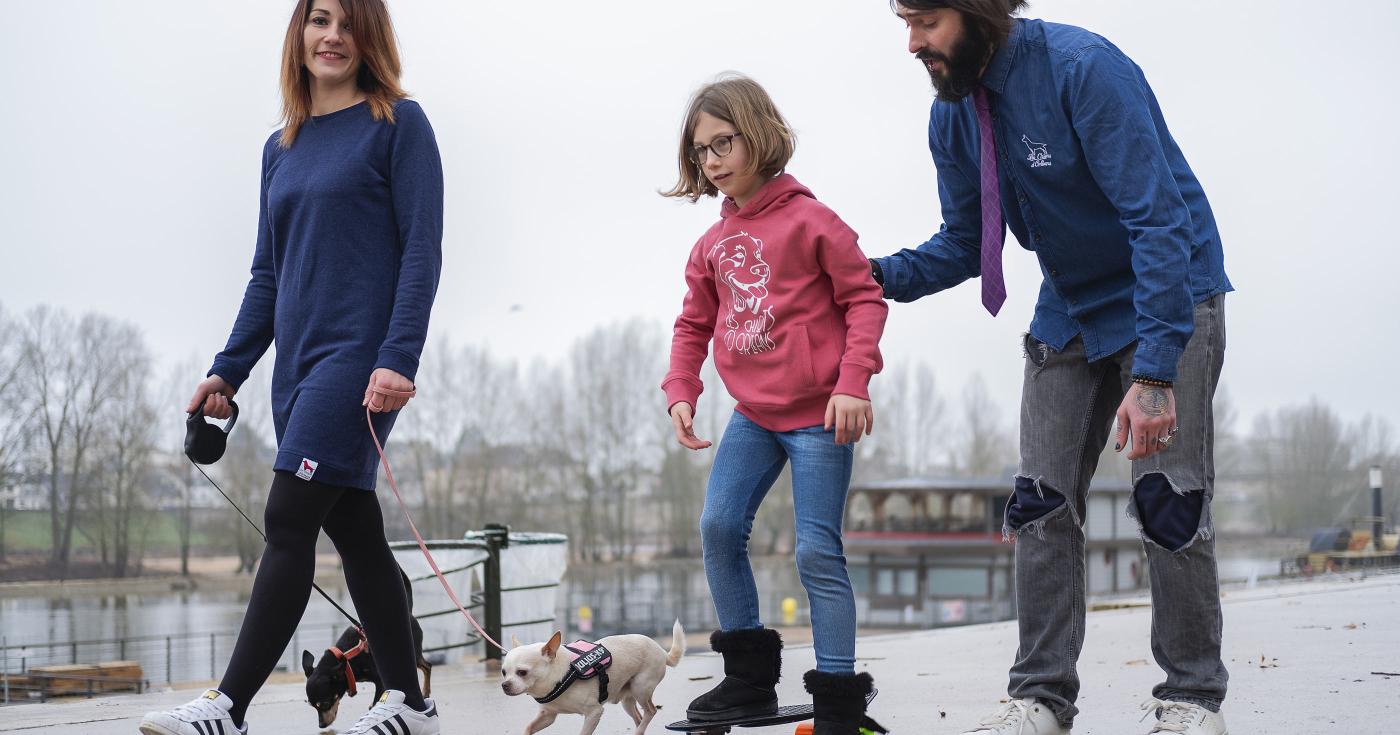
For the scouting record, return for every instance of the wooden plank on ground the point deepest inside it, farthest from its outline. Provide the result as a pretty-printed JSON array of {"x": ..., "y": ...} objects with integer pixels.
[{"x": 68, "y": 679}]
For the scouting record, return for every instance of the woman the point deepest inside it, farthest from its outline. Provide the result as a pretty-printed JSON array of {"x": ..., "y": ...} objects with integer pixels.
[{"x": 343, "y": 279}]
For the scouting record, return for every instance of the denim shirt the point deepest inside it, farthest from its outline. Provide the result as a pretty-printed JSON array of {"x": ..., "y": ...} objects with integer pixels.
[{"x": 1092, "y": 182}]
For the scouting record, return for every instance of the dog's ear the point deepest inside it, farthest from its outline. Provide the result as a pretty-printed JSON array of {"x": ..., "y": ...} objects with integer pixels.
[
  {"x": 552, "y": 647},
  {"x": 308, "y": 662},
  {"x": 514, "y": 641}
]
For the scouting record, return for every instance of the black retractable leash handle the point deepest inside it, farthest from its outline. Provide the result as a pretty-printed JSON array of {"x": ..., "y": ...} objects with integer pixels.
[{"x": 205, "y": 444}]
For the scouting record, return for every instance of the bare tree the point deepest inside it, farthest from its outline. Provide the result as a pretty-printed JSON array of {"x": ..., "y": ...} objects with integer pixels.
[
  {"x": 1306, "y": 459},
  {"x": 680, "y": 491},
  {"x": 910, "y": 420},
  {"x": 430, "y": 435},
  {"x": 1227, "y": 446},
  {"x": 464, "y": 440},
  {"x": 175, "y": 393},
  {"x": 68, "y": 378},
  {"x": 15, "y": 412},
  {"x": 684, "y": 473},
  {"x": 986, "y": 449},
  {"x": 125, "y": 466},
  {"x": 1376, "y": 445},
  {"x": 548, "y": 479},
  {"x": 613, "y": 373},
  {"x": 244, "y": 473},
  {"x": 492, "y": 402}
]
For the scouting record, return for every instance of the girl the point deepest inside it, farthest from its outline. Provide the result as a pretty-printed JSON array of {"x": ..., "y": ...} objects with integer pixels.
[
  {"x": 781, "y": 286},
  {"x": 343, "y": 278}
]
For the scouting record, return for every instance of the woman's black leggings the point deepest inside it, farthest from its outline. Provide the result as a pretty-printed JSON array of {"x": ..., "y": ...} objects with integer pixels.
[{"x": 296, "y": 512}]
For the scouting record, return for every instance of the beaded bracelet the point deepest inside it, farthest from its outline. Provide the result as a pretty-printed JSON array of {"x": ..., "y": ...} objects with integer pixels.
[{"x": 1154, "y": 382}]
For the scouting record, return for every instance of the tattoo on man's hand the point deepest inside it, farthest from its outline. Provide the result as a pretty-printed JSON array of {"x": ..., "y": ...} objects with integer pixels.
[{"x": 1152, "y": 400}]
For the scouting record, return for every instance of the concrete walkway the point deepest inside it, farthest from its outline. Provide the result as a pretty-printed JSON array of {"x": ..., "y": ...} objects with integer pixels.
[{"x": 1302, "y": 659}]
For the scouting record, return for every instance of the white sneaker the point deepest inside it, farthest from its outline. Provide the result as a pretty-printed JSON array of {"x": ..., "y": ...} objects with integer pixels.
[
  {"x": 1184, "y": 718},
  {"x": 207, "y": 715},
  {"x": 1020, "y": 717},
  {"x": 391, "y": 716}
]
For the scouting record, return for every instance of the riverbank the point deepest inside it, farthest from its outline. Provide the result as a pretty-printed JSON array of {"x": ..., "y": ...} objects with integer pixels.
[{"x": 162, "y": 574}]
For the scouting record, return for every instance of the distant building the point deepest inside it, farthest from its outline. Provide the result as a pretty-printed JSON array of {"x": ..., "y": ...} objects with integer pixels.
[{"x": 931, "y": 550}]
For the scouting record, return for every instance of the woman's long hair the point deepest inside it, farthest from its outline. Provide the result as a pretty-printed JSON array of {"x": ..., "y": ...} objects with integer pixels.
[{"x": 378, "y": 77}]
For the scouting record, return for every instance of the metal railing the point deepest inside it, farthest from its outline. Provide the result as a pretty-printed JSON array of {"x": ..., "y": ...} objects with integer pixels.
[
  {"x": 180, "y": 657},
  {"x": 496, "y": 537},
  {"x": 164, "y": 658}
]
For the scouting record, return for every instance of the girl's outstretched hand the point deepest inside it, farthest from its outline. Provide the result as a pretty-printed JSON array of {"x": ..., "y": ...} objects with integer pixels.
[
  {"x": 850, "y": 416},
  {"x": 682, "y": 418}
]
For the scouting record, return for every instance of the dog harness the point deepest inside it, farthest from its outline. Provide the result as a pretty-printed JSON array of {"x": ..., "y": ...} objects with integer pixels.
[
  {"x": 588, "y": 661},
  {"x": 345, "y": 656}
]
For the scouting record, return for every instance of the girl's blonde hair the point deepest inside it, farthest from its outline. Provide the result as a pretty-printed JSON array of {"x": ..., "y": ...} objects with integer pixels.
[
  {"x": 741, "y": 102},
  {"x": 379, "y": 71}
]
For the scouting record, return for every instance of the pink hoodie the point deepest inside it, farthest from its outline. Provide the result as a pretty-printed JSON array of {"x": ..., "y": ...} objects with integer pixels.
[{"x": 787, "y": 295}]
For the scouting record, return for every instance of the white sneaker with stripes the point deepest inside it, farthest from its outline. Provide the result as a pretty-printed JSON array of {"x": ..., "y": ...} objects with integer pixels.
[
  {"x": 390, "y": 716},
  {"x": 207, "y": 715}
]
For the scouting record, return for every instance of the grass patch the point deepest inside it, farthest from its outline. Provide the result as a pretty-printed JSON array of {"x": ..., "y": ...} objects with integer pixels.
[{"x": 29, "y": 531}]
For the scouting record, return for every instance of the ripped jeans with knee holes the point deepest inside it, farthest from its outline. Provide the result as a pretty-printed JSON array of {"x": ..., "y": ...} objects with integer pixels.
[{"x": 1067, "y": 418}]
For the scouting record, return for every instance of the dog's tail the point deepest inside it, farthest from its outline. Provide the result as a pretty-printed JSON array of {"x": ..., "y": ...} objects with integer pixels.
[{"x": 673, "y": 656}]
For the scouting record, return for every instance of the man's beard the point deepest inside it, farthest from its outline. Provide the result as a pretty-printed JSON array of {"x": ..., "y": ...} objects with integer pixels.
[{"x": 963, "y": 69}]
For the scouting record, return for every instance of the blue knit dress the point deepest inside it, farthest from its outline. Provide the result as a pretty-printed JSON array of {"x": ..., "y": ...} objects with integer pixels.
[{"x": 348, "y": 254}]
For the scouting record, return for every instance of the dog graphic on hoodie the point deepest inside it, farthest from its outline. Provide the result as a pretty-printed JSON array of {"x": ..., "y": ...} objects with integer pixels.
[{"x": 739, "y": 265}]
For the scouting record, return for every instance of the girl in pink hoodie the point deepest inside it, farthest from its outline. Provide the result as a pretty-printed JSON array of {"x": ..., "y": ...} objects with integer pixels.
[{"x": 783, "y": 290}]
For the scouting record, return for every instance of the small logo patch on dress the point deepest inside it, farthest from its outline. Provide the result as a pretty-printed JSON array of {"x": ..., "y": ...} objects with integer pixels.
[{"x": 308, "y": 468}]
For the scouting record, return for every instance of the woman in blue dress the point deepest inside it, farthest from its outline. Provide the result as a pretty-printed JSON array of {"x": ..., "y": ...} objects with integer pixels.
[{"x": 343, "y": 279}]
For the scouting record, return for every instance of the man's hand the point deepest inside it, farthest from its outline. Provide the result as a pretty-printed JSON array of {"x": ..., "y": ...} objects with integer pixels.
[
  {"x": 1148, "y": 416},
  {"x": 851, "y": 416},
  {"x": 682, "y": 418},
  {"x": 388, "y": 380}
]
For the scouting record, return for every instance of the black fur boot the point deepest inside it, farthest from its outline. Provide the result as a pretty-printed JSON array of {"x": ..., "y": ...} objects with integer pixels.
[
  {"x": 839, "y": 700},
  {"x": 753, "y": 661}
]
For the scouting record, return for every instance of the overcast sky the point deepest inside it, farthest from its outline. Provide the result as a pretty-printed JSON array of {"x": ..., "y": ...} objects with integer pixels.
[{"x": 131, "y": 133}]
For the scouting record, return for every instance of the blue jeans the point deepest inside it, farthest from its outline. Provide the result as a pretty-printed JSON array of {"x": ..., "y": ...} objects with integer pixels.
[{"x": 749, "y": 460}]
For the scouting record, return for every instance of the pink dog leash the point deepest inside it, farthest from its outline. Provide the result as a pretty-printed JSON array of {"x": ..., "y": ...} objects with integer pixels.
[{"x": 389, "y": 473}]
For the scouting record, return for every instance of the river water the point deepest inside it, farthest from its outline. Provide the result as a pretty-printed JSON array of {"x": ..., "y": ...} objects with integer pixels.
[{"x": 187, "y": 635}]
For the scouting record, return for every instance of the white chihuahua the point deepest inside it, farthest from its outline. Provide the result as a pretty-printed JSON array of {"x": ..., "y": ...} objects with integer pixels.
[{"x": 637, "y": 664}]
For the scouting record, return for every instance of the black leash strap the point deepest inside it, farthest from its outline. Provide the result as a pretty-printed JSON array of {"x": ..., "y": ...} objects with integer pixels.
[{"x": 334, "y": 604}]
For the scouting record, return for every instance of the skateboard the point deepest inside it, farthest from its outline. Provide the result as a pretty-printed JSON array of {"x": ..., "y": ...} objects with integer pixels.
[{"x": 784, "y": 715}]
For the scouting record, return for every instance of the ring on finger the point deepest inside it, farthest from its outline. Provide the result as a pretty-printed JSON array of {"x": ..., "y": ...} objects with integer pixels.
[{"x": 1166, "y": 441}]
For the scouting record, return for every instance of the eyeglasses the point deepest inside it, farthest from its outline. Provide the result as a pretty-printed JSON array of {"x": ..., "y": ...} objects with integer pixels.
[{"x": 720, "y": 146}]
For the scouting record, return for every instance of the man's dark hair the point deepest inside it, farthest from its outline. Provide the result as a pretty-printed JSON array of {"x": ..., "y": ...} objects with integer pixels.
[{"x": 991, "y": 17}]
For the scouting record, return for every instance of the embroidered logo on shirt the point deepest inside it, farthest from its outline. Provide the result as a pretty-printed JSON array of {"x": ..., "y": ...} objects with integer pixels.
[
  {"x": 741, "y": 267},
  {"x": 1039, "y": 156},
  {"x": 308, "y": 468}
]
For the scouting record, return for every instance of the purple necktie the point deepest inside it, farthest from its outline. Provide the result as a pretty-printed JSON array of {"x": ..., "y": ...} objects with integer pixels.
[{"x": 993, "y": 233}]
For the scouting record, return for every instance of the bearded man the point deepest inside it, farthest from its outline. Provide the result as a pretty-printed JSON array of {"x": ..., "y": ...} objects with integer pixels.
[{"x": 1053, "y": 131}]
